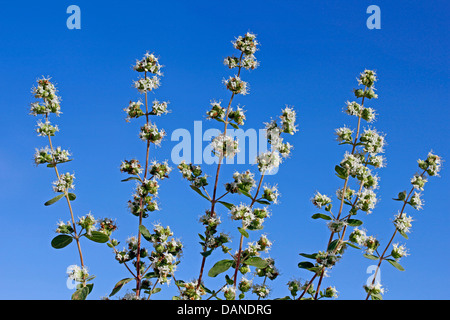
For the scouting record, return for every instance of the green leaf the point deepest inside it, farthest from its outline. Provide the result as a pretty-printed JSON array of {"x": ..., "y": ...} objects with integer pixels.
[
  {"x": 52, "y": 201},
  {"x": 119, "y": 285},
  {"x": 156, "y": 290},
  {"x": 145, "y": 233},
  {"x": 376, "y": 296},
  {"x": 199, "y": 192},
  {"x": 305, "y": 265},
  {"x": 245, "y": 193},
  {"x": 243, "y": 232},
  {"x": 352, "y": 245},
  {"x": 341, "y": 172},
  {"x": 206, "y": 253},
  {"x": 263, "y": 202},
  {"x": 354, "y": 222},
  {"x": 97, "y": 236},
  {"x": 71, "y": 196},
  {"x": 90, "y": 286},
  {"x": 233, "y": 125},
  {"x": 396, "y": 264},
  {"x": 333, "y": 244},
  {"x": 321, "y": 216},
  {"x": 219, "y": 267},
  {"x": 309, "y": 256},
  {"x": 403, "y": 234},
  {"x": 61, "y": 241},
  {"x": 81, "y": 294},
  {"x": 229, "y": 280},
  {"x": 229, "y": 206},
  {"x": 370, "y": 256},
  {"x": 130, "y": 178},
  {"x": 256, "y": 262}
]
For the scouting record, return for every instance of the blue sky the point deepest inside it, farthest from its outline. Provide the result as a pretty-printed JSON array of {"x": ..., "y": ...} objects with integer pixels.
[{"x": 311, "y": 53}]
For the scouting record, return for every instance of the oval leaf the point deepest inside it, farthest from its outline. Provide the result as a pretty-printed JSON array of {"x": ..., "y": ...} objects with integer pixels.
[
  {"x": 321, "y": 216},
  {"x": 61, "y": 241},
  {"x": 219, "y": 267},
  {"x": 119, "y": 285},
  {"x": 81, "y": 294},
  {"x": 256, "y": 262},
  {"x": 145, "y": 233},
  {"x": 71, "y": 196},
  {"x": 243, "y": 232},
  {"x": 305, "y": 265},
  {"x": 229, "y": 206},
  {"x": 199, "y": 192},
  {"x": 396, "y": 264},
  {"x": 98, "y": 236},
  {"x": 354, "y": 222},
  {"x": 52, "y": 201},
  {"x": 370, "y": 256}
]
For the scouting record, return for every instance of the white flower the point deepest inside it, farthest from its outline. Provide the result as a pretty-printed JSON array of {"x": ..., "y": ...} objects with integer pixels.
[
  {"x": 77, "y": 273},
  {"x": 236, "y": 85},
  {"x": 288, "y": 118},
  {"x": 268, "y": 161},
  {"x": 398, "y": 251},
  {"x": 403, "y": 222},
  {"x": 64, "y": 183},
  {"x": 224, "y": 146},
  {"x": 320, "y": 200},
  {"x": 147, "y": 84}
]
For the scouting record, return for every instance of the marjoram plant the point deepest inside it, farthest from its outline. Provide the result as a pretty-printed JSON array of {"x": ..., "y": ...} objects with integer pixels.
[{"x": 150, "y": 268}]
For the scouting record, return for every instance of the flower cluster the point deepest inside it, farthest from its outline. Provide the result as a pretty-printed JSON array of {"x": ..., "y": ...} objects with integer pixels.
[
  {"x": 367, "y": 79},
  {"x": 53, "y": 157},
  {"x": 160, "y": 170},
  {"x": 270, "y": 194},
  {"x": 64, "y": 183},
  {"x": 150, "y": 132},
  {"x": 46, "y": 91},
  {"x": 77, "y": 274},
  {"x": 147, "y": 84},
  {"x": 164, "y": 256},
  {"x": 149, "y": 63},
  {"x": 159, "y": 108},
  {"x": 132, "y": 167},
  {"x": 46, "y": 129},
  {"x": 87, "y": 223},
  {"x": 236, "y": 85},
  {"x": 432, "y": 164},
  {"x": 193, "y": 174},
  {"x": 242, "y": 182},
  {"x": 252, "y": 219},
  {"x": 216, "y": 112},
  {"x": 261, "y": 290},
  {"x": 191, "y": 291},
  {"x": 320, "y": 200},
  {"x": 134, "y": 110},
  {"x": 224, "y": 146},
  {"x": 237, "y": 116},
  {"x": 270, "y": 271},
  {"x": 402, "y": 222}
]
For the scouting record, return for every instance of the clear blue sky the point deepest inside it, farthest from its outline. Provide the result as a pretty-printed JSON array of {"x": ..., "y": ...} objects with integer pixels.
[{"x": 311, "y": 54}]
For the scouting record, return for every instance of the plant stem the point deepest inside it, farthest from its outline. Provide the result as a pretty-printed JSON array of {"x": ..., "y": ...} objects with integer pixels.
[
  {"x": 238, "y": 262},
  {"x": 341, "y": 204},
  {"x": 138, "y": 254},
  {"x": 66, "y": 195},
  {"x": 214, "y": 200},
  {"x": 382, "y": 257}
]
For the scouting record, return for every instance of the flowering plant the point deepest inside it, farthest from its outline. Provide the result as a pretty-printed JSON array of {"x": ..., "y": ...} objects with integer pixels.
[{"x": 149, "y": 268}]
